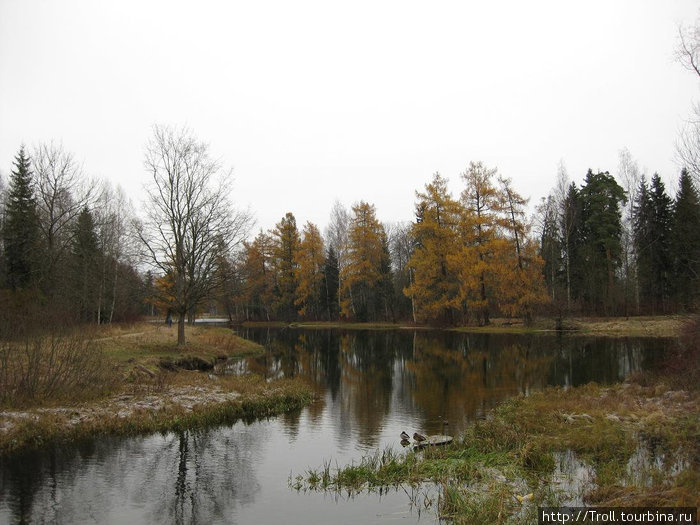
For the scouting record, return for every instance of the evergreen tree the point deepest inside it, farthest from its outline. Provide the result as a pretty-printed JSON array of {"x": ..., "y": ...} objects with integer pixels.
[
  {"x": 685, "y": 243},
  {"x": 330, "y": 286},
  {"x": 551, "y": 250},
  {"x": 642, "y": 218},
  {"x": 85, "y": 258},
  {"x": 652, "y": 242},
  {"x": 661, "y": 245},
  {"x": 21, "y": 226},
  {"x": 601, "y": 215},
  {"x": 572, "y": 239}
]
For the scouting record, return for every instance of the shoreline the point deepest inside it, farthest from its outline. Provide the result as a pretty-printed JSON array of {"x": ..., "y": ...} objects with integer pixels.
[
  {"x": 152, "y": 385},
  {"x": 174, "y": 408},
  {"x": 667, "y": 326}
]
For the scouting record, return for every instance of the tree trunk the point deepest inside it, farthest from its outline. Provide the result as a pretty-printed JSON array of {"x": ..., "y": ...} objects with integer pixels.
[
  {"x": 181, "y": 329},
  {"x": 114, "y": 292}
]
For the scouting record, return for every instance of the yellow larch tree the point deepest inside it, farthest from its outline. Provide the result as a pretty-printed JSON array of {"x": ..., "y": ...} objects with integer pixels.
[
  {"x": 362, "y": 273},
  {"x": 309, "y": 260},
  {"x": 286, "y": 237},
  {"x": 258, "y": 275},
  {"x": 483, "y": 244},
  {"x": 521, "y": 272},
  {"x": 434, "y": 265}
]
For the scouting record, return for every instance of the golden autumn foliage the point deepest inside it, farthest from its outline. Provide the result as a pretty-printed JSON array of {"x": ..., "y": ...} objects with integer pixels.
[
  {"x": 309, "y": 260},
  {"x": 361, "y": 276},
  {"x": 435, "y": 284},
  {"x": 259, "y": 277},
  {"x": 473, "y": 256},
  {"x": 286, "y": 245}
]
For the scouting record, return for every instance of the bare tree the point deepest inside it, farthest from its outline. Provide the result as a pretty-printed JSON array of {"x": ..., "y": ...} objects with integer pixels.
[
  {"x": 189, "y": 219},
  {"x": 337, "y": 231},
  {"x": 566, "y": 221},
  {"x": 628, "y": 174},
  {"x": 61, "y": 193},
  {"x": 116, "y": 245},
  {"x": 688, "y": 144}
]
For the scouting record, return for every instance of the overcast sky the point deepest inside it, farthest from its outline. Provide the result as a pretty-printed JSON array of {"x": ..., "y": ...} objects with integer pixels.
[{"x": 310, "y": 102}]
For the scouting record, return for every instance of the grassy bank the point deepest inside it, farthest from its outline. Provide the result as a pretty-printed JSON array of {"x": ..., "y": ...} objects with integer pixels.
[
  {"x": 144, "y": 386},
  {"x": 626, "y": 445},
  {"x": 643, "y": 326},
  {"x": 631, "y": 444}
]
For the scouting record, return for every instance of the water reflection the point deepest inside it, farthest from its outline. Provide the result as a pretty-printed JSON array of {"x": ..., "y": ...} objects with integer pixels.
[
  {"x": 371, "y": 385},
  {"x": 437, "y": 375}
]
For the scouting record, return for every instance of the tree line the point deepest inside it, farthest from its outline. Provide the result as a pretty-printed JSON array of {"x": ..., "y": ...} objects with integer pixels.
[
  {"x": 66, "y": 253},
  {"x": 614, "y": 250},
  {"x": 607, "y": 247}
]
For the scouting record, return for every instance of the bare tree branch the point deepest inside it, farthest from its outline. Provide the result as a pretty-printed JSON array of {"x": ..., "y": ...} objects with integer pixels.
[{"x": 190, "y": 223}]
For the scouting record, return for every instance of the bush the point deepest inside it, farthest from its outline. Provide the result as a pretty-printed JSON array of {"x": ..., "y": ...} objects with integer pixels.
[{"x": 51, "y": 367}]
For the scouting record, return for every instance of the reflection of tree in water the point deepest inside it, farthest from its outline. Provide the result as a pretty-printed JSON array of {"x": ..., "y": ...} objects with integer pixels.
[
  {"x": 191, "y": 477},
  {"x": 205, "y": 475},
  {"x": 457, "y": 377},
  {"x": 603, "y": 359},
  {"x": 435, "y": 375},
  {"x": 367, "y": 360},
  {"x": 40, "y": 486}
]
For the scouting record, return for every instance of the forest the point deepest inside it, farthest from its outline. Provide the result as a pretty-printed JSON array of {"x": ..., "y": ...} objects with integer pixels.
[{"x": 74, "y": 250}]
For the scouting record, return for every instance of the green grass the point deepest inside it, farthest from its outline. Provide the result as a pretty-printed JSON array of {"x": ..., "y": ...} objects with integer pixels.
[{"x": 511, "y": 454}]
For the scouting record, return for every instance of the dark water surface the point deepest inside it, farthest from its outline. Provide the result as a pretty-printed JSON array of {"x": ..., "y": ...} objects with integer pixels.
[{"x": 371, "y": 386}]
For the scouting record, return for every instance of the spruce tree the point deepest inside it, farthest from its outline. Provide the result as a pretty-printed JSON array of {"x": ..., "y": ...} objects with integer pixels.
[
  {"x": 685, "y": 243},
  {"x": 602, "y": 229},
  {"x": 660, "y": 241},
  {"x": 330, "y": 285},
  {"x": 21, "y": 227},
  {"x": 642, "y": 218},
  {"x": 85, "y": 258}
]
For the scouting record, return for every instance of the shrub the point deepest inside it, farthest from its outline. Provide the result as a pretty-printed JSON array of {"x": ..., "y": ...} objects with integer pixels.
[{"x": 52, "y": 367}]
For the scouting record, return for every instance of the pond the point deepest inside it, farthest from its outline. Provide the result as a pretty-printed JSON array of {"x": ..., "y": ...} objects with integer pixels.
[{"x": 371, "y": 385}]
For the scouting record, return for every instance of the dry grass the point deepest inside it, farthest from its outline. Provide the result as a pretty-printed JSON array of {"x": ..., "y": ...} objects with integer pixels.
[
  {"x": 110, "y": 379},
  {"x": 503, "y": 468},
  {"x": 644, "y": 326}
]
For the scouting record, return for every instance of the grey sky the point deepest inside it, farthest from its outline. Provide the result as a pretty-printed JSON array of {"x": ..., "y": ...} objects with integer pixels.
[{"x": 313, "y": 101}]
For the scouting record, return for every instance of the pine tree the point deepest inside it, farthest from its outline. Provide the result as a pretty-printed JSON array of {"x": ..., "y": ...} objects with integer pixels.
[
  {"x": 685, "y": 243},
  {"x": 21, "y": 226}
]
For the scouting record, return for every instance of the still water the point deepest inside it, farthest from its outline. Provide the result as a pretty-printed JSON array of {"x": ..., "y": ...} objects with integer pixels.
[{"x": 371, "y": 385}]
